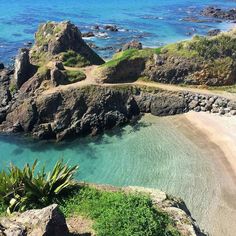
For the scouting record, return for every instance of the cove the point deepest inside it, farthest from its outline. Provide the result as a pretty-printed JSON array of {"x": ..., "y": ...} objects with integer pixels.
[{"x": 155, "y": 152}]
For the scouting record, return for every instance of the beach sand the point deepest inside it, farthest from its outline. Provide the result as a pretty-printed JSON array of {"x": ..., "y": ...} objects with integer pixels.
[{"x": 217, "y": 134}]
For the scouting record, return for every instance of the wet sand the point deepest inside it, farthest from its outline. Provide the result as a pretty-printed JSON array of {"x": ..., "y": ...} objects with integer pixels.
[{"x": 217, "y": 135}]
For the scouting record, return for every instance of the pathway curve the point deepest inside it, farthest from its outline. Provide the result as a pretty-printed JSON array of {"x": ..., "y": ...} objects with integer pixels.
[{"x": 92, "y": 80}]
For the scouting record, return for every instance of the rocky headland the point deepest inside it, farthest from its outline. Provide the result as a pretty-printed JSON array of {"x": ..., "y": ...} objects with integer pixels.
[{"x": 61, "y": 88}]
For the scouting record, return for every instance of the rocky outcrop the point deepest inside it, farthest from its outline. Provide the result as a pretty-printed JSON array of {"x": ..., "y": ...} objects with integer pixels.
[
  {"x": 134, "y": 44},
  {"x": 48, "y": 221},
  {"x": 88, "y": 34},
  {"x": 23, "y": 68},
  {"x": 196, "y": 62},
  {"x": 112, "y": 28},
  {"x": 5, "y": 93},
  {"x": 54, "y": 38},
  {"x": 171, "y": 69},
  {"x": 1, "y": 66},
  {"x": 213, "y": 32},
  {"x": 125, "y": 71},
  {"x": 87, "y": 110},
  {"x": 219, "y": 13}
]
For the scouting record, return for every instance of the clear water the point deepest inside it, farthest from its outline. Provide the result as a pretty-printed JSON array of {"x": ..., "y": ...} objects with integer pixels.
[
  {"x": 153, "y": 22},
  {"x": 153, "y": 153}
]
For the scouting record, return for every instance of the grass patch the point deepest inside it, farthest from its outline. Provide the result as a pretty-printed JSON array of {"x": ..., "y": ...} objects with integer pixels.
[
  {"x": 131, "y": 54},
  {"x": 13, "y": 87},
  {"x": 117, "y": 213},
  {"x": 75, "y": 76},
  {"x": 73, "y": 59},
  {"x": 229, "y": 89},
  {"x": 209, "y": 48}
]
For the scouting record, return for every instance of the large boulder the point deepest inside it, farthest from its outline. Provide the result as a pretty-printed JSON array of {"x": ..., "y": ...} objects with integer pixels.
[
  {"x": 54, "y": 38},
  {"x": 23, "y": 68},
  {"x": 48, "y": 221},
  {"x": 134, "y": 44}
]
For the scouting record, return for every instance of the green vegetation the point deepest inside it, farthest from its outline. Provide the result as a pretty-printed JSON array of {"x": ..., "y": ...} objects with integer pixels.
[
  {"x": 73, "y": 59},
  {"x": 75, "y": 76},
  {"x": 12, "y": 87},
  {"x": 50, "y": 29},
  {"x": 229, "y": 89},
  {"x": 113, "y": 212},
  {"x": 25, "y": 189},
  {"x": 119, "y": 213},
  {"x": 180, "y": 49},
  {"x": 209, "y": 48},
  {"x": 43, "y": 71},
  {"x": 131, "y": 54}
]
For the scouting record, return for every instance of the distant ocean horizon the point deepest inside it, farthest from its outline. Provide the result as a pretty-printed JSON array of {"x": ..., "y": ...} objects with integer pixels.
[{"x": 152, "y": 22}]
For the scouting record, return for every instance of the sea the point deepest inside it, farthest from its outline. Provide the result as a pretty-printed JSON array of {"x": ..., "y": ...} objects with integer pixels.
[
  {"x": 153, "y": 153},
  {"x": 152, "y": 22}
]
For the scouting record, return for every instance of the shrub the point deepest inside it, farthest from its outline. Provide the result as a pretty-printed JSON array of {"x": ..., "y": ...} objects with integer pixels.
[
  {"x": 75, "y": 76},
  {"x": 25, "y": 189},
  {"x": 119, "y": 213},
  {"x": 73, "y": 59}
]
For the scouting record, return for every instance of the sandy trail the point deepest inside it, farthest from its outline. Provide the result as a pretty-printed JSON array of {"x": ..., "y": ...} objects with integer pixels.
[{"x": 91, "y": 79}]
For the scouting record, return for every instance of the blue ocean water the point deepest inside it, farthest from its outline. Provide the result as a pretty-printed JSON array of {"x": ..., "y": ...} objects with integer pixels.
[{"x": 153, "y": 22}]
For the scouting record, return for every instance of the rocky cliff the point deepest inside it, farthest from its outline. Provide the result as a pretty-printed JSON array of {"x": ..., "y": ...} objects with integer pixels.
[{"x": 206, "y": 60}]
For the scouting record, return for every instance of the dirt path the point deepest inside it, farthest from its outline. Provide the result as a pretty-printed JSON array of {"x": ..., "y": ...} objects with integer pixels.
[{"x": 92, "y": 80}]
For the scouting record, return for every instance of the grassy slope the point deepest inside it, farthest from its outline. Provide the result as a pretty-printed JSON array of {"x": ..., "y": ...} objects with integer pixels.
[
  {"x": 117, "y": 213},
  {"x": 218, "y": 52}
]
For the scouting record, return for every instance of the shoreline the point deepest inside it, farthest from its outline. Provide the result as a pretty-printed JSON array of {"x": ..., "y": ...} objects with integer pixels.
[
  {"x": 220, "y": 130},
  {"x": 216, "y": 134}
]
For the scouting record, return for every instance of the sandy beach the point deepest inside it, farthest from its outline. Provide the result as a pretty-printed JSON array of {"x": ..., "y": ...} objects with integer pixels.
[{"x": 217, "y": 134}]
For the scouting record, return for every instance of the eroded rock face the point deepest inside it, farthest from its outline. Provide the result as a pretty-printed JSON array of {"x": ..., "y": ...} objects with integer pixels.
[
  {"x": 48, "y": 221},
  {"x": 23, "y": 68},
  {"x": 74, "y": 112},
  {"x": 89, "y": 110},
  {"x": 54, "y": 38}
]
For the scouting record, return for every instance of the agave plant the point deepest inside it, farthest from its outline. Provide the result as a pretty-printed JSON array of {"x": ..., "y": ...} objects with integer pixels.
[{"x": 26, "y": 188}]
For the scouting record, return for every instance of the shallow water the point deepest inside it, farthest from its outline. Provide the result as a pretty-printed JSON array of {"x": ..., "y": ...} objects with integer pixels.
[
  {"x": 153, "y": 22},
  {"x": 153, "y": 153}
]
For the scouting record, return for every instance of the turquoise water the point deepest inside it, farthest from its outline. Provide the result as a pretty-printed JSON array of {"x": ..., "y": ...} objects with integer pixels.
[
  {"x": 153, "y": 153},
  {"x": 153, "y": 22}
]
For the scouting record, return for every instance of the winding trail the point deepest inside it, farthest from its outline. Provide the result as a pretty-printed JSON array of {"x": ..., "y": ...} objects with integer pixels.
[{"x": 91, "y": 79}]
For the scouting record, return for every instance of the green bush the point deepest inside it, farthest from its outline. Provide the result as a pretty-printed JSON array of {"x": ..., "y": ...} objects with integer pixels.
[
  {"x": 118, "y": 213},
  {"x": 75, "y": 76},
  {"x": 73, "y": 59},
  {"x": 25, "y": 189}
]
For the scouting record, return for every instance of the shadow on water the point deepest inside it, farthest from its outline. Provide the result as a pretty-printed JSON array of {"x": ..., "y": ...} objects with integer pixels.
[{"x": 88, "y": 143}]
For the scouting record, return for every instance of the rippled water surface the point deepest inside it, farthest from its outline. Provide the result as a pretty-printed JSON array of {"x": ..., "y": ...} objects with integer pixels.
[
  {"x": 153, "y": 153},
  {"x": 153, "y": 22}
]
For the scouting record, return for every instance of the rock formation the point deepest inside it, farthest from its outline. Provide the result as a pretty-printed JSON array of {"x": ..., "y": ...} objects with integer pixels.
[
  {"x": 134, "y": 44},
  {"x": 54, "y": 38},
  {"x": 23, "y": 68},
  {"x": 219, "y": 13},
  {"x": 48, "y": 221}
]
